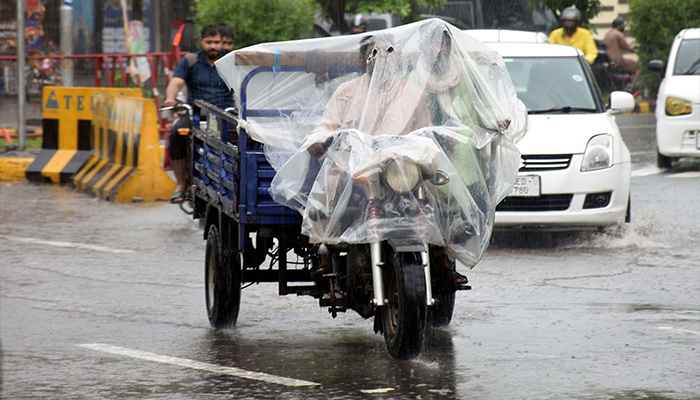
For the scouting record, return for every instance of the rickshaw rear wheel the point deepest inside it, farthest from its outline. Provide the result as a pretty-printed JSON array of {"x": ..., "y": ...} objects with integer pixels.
[
  {"x": 222, "y": 281},
  {"x": 440, "y": 314},
  {"x": 404, "y": 314}
]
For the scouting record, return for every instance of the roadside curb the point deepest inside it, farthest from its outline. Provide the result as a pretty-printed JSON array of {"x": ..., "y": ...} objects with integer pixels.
[
  {"x": 641, "y": 108},
  {"x": 14, "y": 168}
]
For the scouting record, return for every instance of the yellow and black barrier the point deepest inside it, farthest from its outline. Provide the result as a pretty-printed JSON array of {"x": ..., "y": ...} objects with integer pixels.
[
  {"x": 125, "y": 164},
  {"x": 66, "y": 142}
]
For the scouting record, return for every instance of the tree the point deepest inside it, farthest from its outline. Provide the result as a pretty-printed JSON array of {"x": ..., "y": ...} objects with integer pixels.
[
  {"x": 589, "y": 8},
  {"x": 408, "y": 10},
  {"x": 654, "y": 24},
  {"x": 257, "y": 21}
]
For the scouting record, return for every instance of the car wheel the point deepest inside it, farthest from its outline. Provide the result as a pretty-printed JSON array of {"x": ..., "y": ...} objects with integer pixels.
[{"x": 664, "y": 162}]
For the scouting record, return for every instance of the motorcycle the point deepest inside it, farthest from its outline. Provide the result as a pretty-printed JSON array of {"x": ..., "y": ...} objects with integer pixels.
[
  {"x": 608, "y": 76},
  {"x": 398, "y": 204},
  {"x": 184, "y": 110}
]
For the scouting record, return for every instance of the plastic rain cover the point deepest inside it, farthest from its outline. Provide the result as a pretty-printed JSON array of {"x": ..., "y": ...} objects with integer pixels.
[{"x": 406, "y": 134}]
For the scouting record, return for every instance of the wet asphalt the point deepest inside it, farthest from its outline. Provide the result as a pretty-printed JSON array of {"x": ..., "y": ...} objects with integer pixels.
[{"x": 104, "y": 300}]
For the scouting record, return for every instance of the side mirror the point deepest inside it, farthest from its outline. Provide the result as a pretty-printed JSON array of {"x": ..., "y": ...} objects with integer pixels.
[
  {"x": 656, "y": 66},
  {"x": 621, "y": 102}
]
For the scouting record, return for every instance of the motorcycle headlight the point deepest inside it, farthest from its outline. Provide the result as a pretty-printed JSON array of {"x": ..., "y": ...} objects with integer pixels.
[
  {"x": 676, "y": 106},
  {"x": 402, "y": 175},
  {"x": 598, "y": 154}
]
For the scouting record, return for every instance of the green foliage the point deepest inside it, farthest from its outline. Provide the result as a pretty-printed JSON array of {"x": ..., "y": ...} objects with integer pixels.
[
  {"x": 257, "y": 21},
  {"x": 30, "y": 142},
  {"x": 132, "y": 82},
  {"x": 119, "y": 82},
  {"x": 589, "y": 9},
  {"x": 406, "y": 9},
  {"x": 654, "y": 24}
]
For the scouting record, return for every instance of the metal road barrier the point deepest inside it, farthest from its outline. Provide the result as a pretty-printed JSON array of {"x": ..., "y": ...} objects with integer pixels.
[
  {"x": 66, "y": 144},
  {"x": 125, "y": 163}
]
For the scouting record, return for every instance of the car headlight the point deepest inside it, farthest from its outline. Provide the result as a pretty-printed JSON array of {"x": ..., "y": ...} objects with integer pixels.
[
  {"x": 676, "y": 106},
  {"x": 402, "y": 175},
  {"x": 598, "y": 154}
]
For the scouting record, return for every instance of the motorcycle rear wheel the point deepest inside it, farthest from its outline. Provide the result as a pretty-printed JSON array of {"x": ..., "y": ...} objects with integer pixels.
[
  {"x": 222, "y": 281},
  {"x": 405, "y": 313}
]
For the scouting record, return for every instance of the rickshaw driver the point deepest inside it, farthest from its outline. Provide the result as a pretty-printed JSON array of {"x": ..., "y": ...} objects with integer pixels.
[
  {"x": 375, "y": 102},
  {"x": 380, "y": 102},
  {"x": 198, "y": 72}
]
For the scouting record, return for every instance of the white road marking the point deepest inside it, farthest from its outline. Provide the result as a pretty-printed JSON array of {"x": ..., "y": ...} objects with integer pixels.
[
  {"x": 652, "y": 170},
  {"x": 373, "y": 391},
  {"x": 646, "y": 171},
  {"x": 686, "y": 175},
  {"x": 677, "y": 330},
  {"x": 64, "y": 244},
  {"x": 183, "y": 362}
]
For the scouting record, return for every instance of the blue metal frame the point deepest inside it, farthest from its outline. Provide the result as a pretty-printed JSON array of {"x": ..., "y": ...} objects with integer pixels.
[{"x": 235, "y": 175}]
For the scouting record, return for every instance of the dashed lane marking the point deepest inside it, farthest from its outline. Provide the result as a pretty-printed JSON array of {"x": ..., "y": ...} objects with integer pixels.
[
  {"x": 64, "y": 244},
  {"x": 678, "y": 330},
  {"x": 183, "y": 362}
]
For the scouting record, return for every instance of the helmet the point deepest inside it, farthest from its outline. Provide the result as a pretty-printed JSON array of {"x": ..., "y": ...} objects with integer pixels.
[
  {"x": 619, "y": 21},
  {"x": 571, "y": 13}
]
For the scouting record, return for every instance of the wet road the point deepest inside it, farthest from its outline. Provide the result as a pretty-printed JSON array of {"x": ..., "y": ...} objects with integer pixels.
[{"x": 103, "y": 300}]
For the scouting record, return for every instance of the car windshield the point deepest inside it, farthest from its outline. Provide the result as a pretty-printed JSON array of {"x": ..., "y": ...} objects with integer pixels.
[
  {"x": 688, "y": 58},
  {"x": 551, "y": 84}
]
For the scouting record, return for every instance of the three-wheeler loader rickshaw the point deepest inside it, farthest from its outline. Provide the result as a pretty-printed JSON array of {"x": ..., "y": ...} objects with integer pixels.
[{"x": 360, "y": 170}]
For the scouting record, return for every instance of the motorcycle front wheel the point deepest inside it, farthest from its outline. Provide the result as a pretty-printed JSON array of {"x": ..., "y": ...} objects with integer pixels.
[{"x": 404, "y": 314}]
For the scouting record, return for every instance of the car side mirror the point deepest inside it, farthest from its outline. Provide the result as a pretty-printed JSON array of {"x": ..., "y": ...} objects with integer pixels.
[
  {"x": 656, "y": 66},
  {"x": 621, "y": 102}
]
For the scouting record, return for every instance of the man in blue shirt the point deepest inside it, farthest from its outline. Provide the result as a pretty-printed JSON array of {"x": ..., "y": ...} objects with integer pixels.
[{"x": 197, "y": 71}]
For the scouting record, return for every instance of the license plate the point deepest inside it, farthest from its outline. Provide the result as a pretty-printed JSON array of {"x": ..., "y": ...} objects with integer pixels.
[{"x": 526, "y": 186}]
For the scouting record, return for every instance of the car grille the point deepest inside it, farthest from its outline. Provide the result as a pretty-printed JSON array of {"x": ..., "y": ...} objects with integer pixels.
[
  {"x": 547, "y": 202},
  {"x": 544, "y": 162}
]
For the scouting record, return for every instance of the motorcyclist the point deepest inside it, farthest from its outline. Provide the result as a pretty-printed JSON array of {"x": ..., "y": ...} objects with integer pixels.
[
  {"x": 572, "y": 34},
  {"x": 616, "y": 45},
  {"x": 197, "y": 71}
]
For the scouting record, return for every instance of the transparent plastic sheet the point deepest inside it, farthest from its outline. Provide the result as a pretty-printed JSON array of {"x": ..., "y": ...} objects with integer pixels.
[{"x": 341, "y": 115}]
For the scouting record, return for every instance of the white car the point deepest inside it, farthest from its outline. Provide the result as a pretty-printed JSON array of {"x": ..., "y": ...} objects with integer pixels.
[
  {"x": 575, "y": 167},
  {"x": 678, "y": 104}
]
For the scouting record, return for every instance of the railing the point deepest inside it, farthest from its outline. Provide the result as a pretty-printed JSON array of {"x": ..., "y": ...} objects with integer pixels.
[{"x": 107, "y": 68}]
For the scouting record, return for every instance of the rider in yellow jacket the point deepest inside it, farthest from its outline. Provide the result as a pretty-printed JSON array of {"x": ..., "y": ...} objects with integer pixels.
[{"x": 571, "y": 34}]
